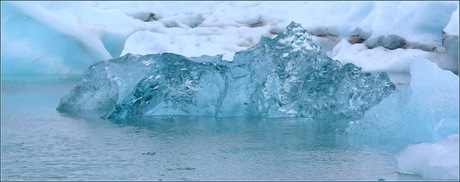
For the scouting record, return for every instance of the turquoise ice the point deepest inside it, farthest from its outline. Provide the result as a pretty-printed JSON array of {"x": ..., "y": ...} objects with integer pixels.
[
  {"x": 282, "y": 77},
  {"x": 424, "y": 111}
]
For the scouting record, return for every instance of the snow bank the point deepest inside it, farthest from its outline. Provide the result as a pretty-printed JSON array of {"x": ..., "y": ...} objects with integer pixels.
[
  {"x": 67, "y": 37},
  {"x": 383, "y": 59},
  {"x": 193, "y": 45},
  {"x": 431, "y": 160},
  {"x": 425, "y": 111}
]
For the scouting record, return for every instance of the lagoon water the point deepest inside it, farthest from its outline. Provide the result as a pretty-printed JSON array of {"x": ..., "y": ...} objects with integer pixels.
[{"x": 39, "y": 143}]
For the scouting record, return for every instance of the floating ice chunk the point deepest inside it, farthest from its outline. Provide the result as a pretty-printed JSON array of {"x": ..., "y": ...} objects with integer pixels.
[
  {"x": 177, "y": 85},
  {"x": 283, "y": 77},
  {"x": 427, "y": 110},
  {"x": 303, "y": 83},
  {"x": 261, "y": 81},
  {"x": 106, "y": 84},
  {"x": 431, "y": 160}
]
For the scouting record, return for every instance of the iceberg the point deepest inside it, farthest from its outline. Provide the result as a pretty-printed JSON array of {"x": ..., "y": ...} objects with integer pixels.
[
  {"x": 424, "y": 111},
  {"x": 177, "y": 85},
  {"x": 431, "y": 160},
  {"x": 287, "y": 76}
]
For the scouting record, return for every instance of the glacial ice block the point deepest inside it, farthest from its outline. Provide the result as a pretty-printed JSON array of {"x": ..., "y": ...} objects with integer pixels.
[
  {"x": 177, "y": 86},
  {"x": 282, "y": 77},
  {"x": 431, "y": 160},
  {"x": 289, "y": 76},
  {"x": 105, "y": 84},
  {"x": 424, "y": 111}
]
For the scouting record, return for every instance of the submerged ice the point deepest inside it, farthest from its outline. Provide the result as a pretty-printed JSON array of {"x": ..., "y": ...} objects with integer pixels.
[{"x": 287, "y": 76}]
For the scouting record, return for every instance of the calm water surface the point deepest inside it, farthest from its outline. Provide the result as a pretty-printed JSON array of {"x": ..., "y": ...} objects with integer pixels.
[{"x": 38, "y": 143}]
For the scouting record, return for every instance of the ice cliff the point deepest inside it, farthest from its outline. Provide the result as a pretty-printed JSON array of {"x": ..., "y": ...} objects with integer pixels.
[{"x": 287, "y": 76}]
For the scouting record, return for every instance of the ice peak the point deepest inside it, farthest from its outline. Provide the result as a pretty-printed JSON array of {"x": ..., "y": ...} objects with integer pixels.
[
  {"x": 293, "y": 27},
  {"x": 298, "y": 37}
]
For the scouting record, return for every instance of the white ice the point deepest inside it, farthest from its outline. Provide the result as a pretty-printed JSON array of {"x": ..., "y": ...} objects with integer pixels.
[
  {"x": 431, "y": 160},
  {"x": 383, "y": 59},
  {"x": 450, "y": 35},
  {"x": 452, "y": 27},
  {"x": 67, "y": 37}
]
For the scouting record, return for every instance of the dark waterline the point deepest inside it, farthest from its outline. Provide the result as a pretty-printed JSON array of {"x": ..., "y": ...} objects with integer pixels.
[{"x": 38, "y": 143}]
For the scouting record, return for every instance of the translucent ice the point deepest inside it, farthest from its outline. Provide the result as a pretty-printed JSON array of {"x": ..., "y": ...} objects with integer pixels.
[
  {"x": 431, "y": 160},
  {"x": 177, "y": 85},
  {"x": 425, "y": 111},
  {"x": 106, "y": 84},
  {"x": 288, "y": 76},
  {"x": 282, "y": 77}
]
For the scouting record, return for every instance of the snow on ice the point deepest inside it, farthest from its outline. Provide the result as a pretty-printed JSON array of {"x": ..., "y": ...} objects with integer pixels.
[{"x": 68, "y": 37}]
